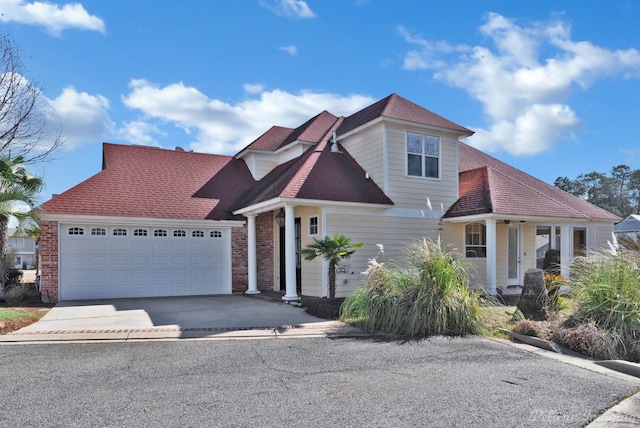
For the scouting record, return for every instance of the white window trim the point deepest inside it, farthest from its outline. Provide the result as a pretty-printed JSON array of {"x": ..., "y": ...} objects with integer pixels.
[
  {"x": 406, "y": 157},
  {"x": 464, "y": 231},
  {"x": 317, "y": 225}
]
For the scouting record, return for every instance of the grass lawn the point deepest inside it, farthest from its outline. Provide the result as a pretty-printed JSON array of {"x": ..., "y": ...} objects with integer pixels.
[{"x": 14, "y": 318}]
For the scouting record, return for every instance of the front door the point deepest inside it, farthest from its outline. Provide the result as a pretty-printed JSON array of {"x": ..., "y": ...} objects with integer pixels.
[
  {"x": 298, "y": 244},
  {"x": 513, "y": 256}
]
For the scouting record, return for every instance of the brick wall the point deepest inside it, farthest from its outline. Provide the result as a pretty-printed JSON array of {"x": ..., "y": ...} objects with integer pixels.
[
  {"x": 49, "y": 261},
  {"x": 264, "y": 251}
]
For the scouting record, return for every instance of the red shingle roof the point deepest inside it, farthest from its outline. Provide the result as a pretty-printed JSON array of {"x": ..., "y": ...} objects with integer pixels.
[
  {"x": 488, "y": 185},
  {"x": 318, "y": 174},
  {"x": 311, "y": 131},
  {"x": 396, "y": 107},
  {"x": 139, "y": 181}
]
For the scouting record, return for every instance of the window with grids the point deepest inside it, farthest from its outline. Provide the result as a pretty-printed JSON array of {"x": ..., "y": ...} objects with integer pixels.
[
  {"x": 179, "y": 234},
  {"x": 216, "y": 234},
  {"x": 423, "y": 155},
  {"x": 119, "y": 232},
  {"x": 475, "y": 241},
  {"x": 76, "y": 231},
  {"x": 160, "y": 232},
  {"x": 98, "y": 231},
  {"x": 140, "y": 232},
  {"x": 313, "y": 225},
  {"x": 197, "y": 234}
]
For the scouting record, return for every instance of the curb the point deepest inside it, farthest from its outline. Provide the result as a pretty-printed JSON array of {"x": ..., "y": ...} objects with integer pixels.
[
  {"x": 626, "y": 367},
  {"x": 328, "y": 329}
]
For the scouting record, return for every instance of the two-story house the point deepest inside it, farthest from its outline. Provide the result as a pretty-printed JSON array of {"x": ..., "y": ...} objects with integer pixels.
[
  {"x": 157, "y": 222},
  {"x": 22, "y": 249}
]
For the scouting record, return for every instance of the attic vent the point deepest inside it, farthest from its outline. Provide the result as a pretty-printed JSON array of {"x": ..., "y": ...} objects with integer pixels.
[
  {"x": 179, "y": 149},
  {"x": 334, "y": 145}
]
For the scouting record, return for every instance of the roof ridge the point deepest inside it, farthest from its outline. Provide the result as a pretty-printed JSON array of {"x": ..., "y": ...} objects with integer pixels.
[{"x": 303, "y": 172}]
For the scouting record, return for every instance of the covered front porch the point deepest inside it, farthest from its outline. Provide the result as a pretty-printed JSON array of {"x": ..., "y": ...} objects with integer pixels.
[{"x": 500, "y": 249}]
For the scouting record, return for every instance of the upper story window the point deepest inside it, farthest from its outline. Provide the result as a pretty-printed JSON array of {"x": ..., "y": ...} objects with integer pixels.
[
  {"x": 475, "y": 240},
  {"x": 15, "y": 242},
  {"x": 423, "y": 155},
  {"x": 119, "y": 232},
  {"x": 313, "y": 225},
  {"x": 98, "y": 231},
  {"x": 76, "y": 231}
]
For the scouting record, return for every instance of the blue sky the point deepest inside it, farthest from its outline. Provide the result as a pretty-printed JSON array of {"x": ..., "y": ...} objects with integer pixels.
[{"x": 551, "y": 87}]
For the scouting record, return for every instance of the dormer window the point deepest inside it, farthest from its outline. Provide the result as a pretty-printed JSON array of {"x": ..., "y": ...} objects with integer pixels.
[{"x": 423, "y": 155}]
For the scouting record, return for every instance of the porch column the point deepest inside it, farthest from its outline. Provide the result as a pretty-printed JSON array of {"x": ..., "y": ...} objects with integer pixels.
[
  {"x": 565, "y": 249},
  {"x": 291, "y": 292},
  {"x": 252, "y": 270},
  {"x": 491, "y": 256}
]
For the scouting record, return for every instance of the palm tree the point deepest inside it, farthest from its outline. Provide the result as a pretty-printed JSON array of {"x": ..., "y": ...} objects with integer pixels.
[
  {"x": 18, "y": 191},
  {"x": 333, "y": 249}
]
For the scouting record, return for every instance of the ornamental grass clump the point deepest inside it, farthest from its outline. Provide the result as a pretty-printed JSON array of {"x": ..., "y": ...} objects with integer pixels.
[
  {"x": 428, "y": 296},
  {"x": 607, "y": 293}
]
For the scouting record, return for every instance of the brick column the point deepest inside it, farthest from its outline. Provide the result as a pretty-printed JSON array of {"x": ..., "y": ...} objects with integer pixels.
[{"x": 49, "y": 261}]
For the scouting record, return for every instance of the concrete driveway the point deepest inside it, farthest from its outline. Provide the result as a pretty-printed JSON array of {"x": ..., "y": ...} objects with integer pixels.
[{"x": 174, "y": 317}]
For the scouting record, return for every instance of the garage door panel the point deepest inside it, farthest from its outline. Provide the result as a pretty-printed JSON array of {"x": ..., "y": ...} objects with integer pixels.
[{"x": 106, "y": 266}]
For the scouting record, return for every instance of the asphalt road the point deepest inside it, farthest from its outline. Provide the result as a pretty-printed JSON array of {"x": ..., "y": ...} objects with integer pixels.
[{"x": 441, "y": 382}]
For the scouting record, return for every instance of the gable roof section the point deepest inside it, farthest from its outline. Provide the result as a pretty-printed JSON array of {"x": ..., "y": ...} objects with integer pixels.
[
  {"x": 396, "y": 107},
  {"x": 318, "y": 174},
  {"x": 138, "y": 181},
  {"x": 629, "y": 224},
  {"x": 488, "y": 185},
  {"x": 278, "y": 137}
]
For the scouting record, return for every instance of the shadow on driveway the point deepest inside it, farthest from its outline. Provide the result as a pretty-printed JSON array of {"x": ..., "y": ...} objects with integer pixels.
[{"x": 171, "y": 314}]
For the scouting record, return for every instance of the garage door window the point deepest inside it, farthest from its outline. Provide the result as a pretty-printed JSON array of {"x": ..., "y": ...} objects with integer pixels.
[
  {"x": 197, "y": 234},
  {"x": 216, "y": 234},
  {"x": 119, "y": 232},
  {"x": 98, "y": 231},
  {"x": 160, "y": 232},
  {"x": 76, "y": 231},
  {"x": 140, "y": 232},
  {"x": 179, "y": 233}
]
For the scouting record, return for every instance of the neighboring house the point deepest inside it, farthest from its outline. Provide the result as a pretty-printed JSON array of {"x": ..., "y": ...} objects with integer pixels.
[
  {"x": 22, "y": 249},
  {"x": 158, "y": 222},
  {"x": 630, "y": 226}
]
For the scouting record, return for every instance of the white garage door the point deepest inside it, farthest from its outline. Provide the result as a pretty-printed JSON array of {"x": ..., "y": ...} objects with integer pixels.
[{"x": 103, "y": 262}]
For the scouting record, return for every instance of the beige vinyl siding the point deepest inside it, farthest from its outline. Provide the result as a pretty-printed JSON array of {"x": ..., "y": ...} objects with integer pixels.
[
  {"x": 528, "y": 260},
  {"x": 367, "y": 148},
  {"x": 412, "y": 192},
  {"x": 601, "y": 235},
  {"x": 394, "y": 233},
  {"x": 311, "y": 270}
]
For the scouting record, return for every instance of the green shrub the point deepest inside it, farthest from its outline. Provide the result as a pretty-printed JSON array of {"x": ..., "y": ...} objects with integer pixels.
[
  {"x": 607, "y": 293},
  {"x": 428, "y": 296}
]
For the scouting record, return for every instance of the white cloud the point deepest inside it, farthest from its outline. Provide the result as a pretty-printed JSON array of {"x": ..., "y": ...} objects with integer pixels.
[
  {"x": 141, "y": 132},
  {"x": 224, "y": 128},
  {"x": 51, "y": 16},
  {"x": 289, "y": 8},
  {"x": 80, "y": 116},
  {"x": 253, "y": 88},
  {"x": 291, "y": 49},
  {"x": 524, "y": 95}
]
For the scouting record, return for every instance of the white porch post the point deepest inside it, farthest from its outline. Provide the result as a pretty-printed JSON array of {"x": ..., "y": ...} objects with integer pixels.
[
  {"x": 491, "y": 256},
  {"x": 290, "y": 254},
  {"x": 565, "y": 249},
  {"x": 252, "y": 257}
]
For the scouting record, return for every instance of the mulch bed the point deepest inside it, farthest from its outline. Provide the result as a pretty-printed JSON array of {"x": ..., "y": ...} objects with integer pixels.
[{"x": 320, "y": 307}]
